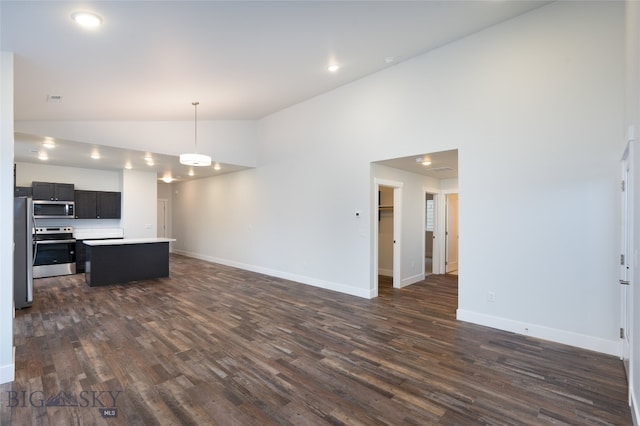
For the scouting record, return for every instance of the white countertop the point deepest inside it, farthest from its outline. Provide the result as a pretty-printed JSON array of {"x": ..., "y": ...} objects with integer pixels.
[{"x": 119, "y": 242}]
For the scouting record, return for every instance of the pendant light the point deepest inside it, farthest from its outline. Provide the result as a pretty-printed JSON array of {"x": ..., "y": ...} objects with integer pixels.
[{"x": 193, "y": 158}]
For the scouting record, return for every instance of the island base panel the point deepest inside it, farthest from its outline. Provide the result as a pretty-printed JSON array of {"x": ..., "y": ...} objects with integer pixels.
[{"x": 112, "y": 264}]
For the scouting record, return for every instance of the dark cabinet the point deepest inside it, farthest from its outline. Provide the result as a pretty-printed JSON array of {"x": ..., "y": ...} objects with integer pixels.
[
  {"x": 81, "y": 256},
  {"x": 52, "y": 191},
  {"x": 98, "y": 204},
  {"x": 86, "y": 206},
  {"x": 108, "y": 205},
  {"x": 22, "y": 191}
]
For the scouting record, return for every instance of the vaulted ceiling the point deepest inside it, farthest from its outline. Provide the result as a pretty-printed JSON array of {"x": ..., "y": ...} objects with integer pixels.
[{"x": 240, "y": 59}]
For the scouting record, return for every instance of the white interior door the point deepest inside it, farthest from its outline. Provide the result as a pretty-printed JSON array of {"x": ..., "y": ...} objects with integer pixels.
[
  {"x": 452, "y": 233},
  {"x": 625, "y": 256}
]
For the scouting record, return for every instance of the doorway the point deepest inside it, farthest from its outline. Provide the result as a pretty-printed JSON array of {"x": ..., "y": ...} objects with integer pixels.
[
  {"x": 385, "y": 231},
  {"x": 430, "y": 220},
  {"x": 161, "y": 231},
  {"x": 387, "y": 235},
  {"x": 451, "y": 234}
]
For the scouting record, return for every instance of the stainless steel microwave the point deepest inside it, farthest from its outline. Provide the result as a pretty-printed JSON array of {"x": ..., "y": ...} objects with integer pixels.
[{"x": 53, "y": 209}]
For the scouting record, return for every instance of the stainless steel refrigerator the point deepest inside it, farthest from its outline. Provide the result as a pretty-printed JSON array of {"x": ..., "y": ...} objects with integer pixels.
[{"x": 23, "y": 252}]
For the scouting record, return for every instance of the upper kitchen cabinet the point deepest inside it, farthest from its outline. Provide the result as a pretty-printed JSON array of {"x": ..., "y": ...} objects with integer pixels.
[
  {"x": 22, "y": 191},
  {"x": 86, "y": 204},
  {"x": 98, "y": 204},
  {"x": 52, "y": 191},
  {"x": 109, "y": 205}
]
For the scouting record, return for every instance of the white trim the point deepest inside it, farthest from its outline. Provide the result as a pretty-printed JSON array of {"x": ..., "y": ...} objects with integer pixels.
[
  {"x": 327, "y": 285},
  {"x": 450, "y": 266},
  {"x": 397, "y": 236},
  {"x": 387, "y": 182},
  {"x": 633, "y": 404},
  {"x": 7, "y": 343},
  {"x": 609, "y": 347},
  {"x": 631, "y": 133},
  {"x": 164, "y": 201},
  {"x": 385, "y": 272},
  {"x": 628, "y": 307},
  {"x": 7, "y": 372},
  {"x": 412, "y": 280},
  {"x": 435, "y": 255}
]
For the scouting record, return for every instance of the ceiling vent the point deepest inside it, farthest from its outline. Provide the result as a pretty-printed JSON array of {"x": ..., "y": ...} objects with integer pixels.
[{"x": 54, "y": 98}]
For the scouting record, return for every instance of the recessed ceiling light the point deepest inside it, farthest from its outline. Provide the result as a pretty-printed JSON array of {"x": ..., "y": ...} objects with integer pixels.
[
  {"x": 167, "y": 179},
  {"x": 42, "y": 155},
  {"x": 191, "y": 172},
  {"x": 95, "y": 155},
  {"x": 49, "y": 143},
  {"x": 216, "y": 166},
  {"x": 333, "y": 67},
  {"x": 423, "y": 161},
  {"x": 128, "y": 166},
  {"x": 86, "y": 19}
]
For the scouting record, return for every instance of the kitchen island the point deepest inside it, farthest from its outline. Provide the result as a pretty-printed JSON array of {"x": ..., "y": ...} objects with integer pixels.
[{"x": 125, "y": 260}]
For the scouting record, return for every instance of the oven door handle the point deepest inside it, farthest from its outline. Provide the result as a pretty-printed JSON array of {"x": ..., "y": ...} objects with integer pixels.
[{"x": 54, "y": 241}]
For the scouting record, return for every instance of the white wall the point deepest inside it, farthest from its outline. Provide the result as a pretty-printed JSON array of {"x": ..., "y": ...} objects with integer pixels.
[
  {"x": 7, "y": 372},
  {"x": 534, "y": 106},
  {"x": 85, "y": 179},
  {"x": 545, "y": 140},
  {"x": 139, "y": 202}
]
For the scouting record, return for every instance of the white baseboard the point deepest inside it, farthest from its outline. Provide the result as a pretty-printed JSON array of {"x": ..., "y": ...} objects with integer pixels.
[
  {"x": 633, "y": 403},
  {"x": 411, "y": 280},
  {"x": 385, "y": 272},
  {"x": 609, "y": 347},
  {"x": 405, "y": 281},
  {"x": 327, "y": 285}
]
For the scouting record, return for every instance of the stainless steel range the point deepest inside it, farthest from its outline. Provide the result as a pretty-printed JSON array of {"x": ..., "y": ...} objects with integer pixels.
[{"x": 55, "y": 252}]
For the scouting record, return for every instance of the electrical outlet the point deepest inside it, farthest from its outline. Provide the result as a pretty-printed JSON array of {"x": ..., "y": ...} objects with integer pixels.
[{"x": 491, "y": 297}]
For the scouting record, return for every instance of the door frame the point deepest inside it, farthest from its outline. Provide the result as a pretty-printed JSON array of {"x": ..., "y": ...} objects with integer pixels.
[
  {"x": 437, "y": 232},
  {"x": 442, "y": 230},
  {"x": 446, "y": 233},
  {"x": 165, "y": 203},
  {"x": 397, "y": 231},
  {"x": 626, "y": 249}
]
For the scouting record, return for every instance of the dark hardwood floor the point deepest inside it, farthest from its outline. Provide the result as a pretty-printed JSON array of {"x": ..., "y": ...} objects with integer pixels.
[{"x": 216, "y": 345}]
